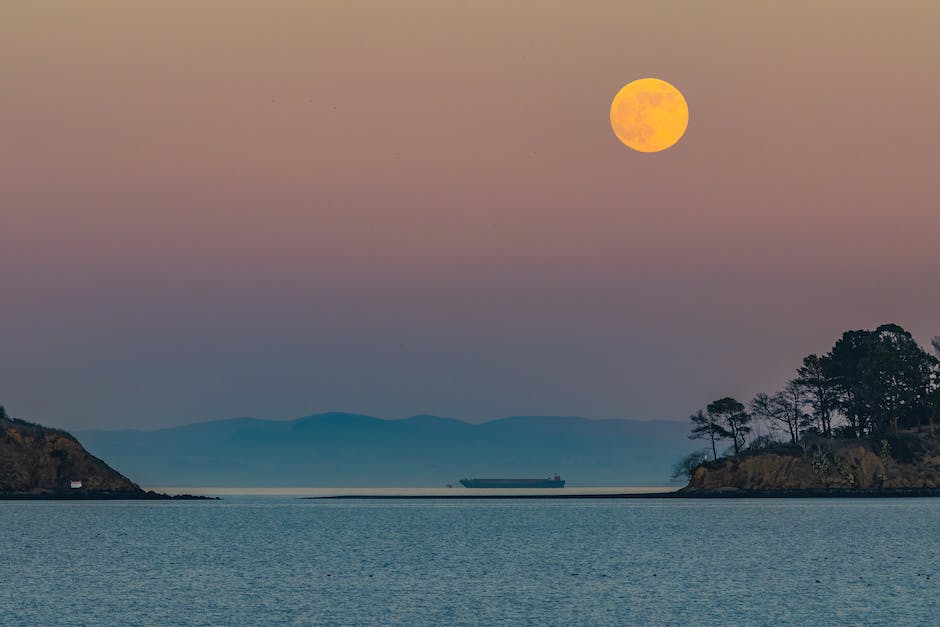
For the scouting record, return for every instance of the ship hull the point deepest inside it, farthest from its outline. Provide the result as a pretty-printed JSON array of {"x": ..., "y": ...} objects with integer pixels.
[{"x": 512, "y": 483}]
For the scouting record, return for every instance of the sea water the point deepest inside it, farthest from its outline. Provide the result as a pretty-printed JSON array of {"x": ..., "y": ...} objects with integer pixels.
[{"x": 283, "y": 560}]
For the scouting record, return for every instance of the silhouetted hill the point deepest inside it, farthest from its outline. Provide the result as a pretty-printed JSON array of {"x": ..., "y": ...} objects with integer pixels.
[
  {"x": 39, "y": 460},
  {"x": 337, "y": 449}
]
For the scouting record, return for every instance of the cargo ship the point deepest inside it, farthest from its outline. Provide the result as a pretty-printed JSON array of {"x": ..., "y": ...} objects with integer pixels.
[{"x": 550, "y": 482}]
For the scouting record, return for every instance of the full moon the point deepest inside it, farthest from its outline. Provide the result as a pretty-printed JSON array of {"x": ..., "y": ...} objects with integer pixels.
[{"x": 649, "y": 115}]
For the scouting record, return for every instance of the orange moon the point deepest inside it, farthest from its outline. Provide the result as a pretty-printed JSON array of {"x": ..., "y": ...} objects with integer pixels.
[{"x": 649, "y": 115}]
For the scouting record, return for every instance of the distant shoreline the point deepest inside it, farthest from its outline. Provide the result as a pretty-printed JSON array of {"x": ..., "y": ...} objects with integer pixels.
[
  {"x": 310, "y": 491},
  {"x": 678, "y": 494},
  {"x": 458, "y": 495},
  {"x": 92, "y": 495},
  {"x": 449, "y": 494}
]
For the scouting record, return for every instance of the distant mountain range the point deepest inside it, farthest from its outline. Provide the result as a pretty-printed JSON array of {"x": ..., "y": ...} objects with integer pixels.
[{"x": 346, "y": 450}]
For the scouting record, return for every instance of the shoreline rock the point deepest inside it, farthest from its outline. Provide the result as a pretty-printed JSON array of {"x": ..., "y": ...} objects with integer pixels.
[
  {"x": 101, "y": 495},
  {"x": 808, "y": 493},
  {"x": 908, "y": 462}
]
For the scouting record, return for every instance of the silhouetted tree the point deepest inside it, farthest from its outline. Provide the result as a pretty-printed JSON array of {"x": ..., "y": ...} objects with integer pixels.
[
  {"x": 686, "y": 466},
  {"x": 904, "y": 370},
  {"x": 870, "y": 383},
  {"x": 820, "y": 390},
  {"x": 785, "y": 408},
  {"x": 731, "y": 415},
  {"x": 933, "y": 385},
  {"x": 706, "y": 427},
  {"x": 849, "y": 364},
  {"x": 882, "y": 377}
]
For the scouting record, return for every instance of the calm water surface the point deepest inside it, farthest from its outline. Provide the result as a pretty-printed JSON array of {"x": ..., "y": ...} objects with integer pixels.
[{"x": 281, "y": 560}]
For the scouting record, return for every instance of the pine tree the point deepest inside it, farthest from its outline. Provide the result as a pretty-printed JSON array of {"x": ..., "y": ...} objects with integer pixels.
[{"x": 705, "y": 427}]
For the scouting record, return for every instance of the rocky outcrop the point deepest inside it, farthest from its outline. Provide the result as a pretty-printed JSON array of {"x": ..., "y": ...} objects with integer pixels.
[
  {"x": 37, "y": 460},
  {"x": 904, "y": 461}
]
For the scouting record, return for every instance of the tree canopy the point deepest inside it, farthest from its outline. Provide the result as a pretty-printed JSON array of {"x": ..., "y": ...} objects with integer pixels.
[{"x": 870, "y": 383}]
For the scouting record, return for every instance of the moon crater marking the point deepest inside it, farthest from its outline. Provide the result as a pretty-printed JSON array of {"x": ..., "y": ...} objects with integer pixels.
[{"x": 649, "y": 115}]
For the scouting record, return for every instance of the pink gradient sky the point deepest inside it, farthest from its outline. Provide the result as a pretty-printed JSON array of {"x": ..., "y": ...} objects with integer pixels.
[{"x": 219, "y": 208}]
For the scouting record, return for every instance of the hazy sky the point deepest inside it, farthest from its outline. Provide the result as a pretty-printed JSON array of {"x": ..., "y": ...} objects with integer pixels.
[{"x": 215, "y": 208}]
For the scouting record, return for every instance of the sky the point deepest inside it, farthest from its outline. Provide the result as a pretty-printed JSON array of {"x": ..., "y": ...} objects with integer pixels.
[{"x": 225, "y": 208}]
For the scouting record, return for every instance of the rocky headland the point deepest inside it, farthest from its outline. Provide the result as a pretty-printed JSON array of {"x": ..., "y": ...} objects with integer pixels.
[
  {"x": 39, "y": 462},
  {"x": 905, "y": 464}
]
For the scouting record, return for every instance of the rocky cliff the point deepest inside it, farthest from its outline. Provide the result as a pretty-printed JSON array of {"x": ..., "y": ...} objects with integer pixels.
[
  {"x": 909, "y": 460},
  {"x": 35, "y": 459}
]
